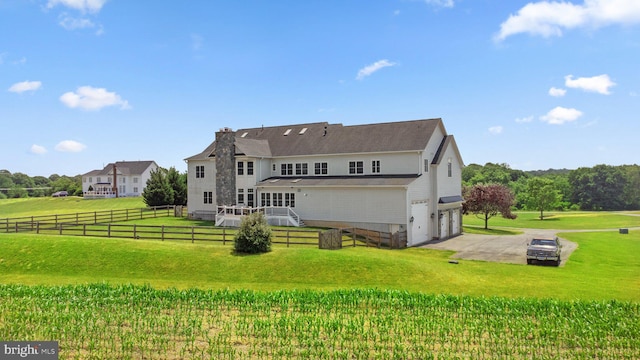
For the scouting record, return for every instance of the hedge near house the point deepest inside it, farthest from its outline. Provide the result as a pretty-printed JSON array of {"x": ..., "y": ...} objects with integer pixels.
[{"x": 254, "y": 235}]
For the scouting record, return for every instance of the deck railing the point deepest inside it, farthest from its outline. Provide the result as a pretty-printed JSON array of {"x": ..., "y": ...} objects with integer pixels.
[{"x": 275, "y": 215}]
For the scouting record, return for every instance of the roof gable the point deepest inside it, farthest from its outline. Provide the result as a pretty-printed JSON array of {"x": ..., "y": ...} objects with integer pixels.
[{"x": 447, "y": 142}]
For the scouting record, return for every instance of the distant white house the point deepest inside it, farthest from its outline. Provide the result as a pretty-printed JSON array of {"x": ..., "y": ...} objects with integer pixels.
[
  {"x": 130, "y": 179},
  {"x": 391, "y": 177}
]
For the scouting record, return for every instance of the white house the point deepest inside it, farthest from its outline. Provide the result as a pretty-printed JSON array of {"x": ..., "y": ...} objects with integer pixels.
[
  {"x": 391, "y": 177},
  {"x": 130, "y": 179}
]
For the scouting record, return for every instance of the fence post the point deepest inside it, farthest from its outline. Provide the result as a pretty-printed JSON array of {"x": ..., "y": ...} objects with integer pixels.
[
  {"x": 154, "y": 212},
  {"x": 60, "y": 228},
  {"x": 163, "y": 232},
  {"x": 109, "y": 230},
  {"x": 84, "y": 229},
  {"x": 192, "y": 233},
  {"x": 135, "y": 236},
  {"x": 224, "y": 236},
  {"x": 287, "y": 237},
  {"x": 95, "y": 217},
  {"x": 38, "y": 227},
  {"x": 354, "y": 238}
]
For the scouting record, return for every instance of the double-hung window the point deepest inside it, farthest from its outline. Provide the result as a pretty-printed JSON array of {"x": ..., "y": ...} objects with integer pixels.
[{"x": 356, "y": 167}]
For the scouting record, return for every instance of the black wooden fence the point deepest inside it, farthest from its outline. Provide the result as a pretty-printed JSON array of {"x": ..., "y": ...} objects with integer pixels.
[
  {"x": 27, "y": 223},
  {"x": 104, "y": 224}
]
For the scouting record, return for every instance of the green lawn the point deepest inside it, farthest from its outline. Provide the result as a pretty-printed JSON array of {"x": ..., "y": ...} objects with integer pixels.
[
  {"x": 605, "y": 266},
  {"x": 570, "y": 220},
  {"x": 10, "y": 208}
]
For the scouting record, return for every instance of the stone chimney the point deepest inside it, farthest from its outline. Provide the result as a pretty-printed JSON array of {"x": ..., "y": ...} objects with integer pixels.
[{"x": 225, "y": 167}]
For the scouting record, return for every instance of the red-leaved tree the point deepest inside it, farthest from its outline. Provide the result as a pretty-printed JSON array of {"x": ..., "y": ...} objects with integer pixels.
[{"x": 488, "y": 201}]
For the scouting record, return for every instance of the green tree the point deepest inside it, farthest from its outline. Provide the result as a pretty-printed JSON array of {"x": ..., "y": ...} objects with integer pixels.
[
  {"x": 632, "y": 188},
  {"x": 72, "y": 185},
  {"x": 22, "y": 183},
  {"x": 6, "y": 183},
  {"x": 41, "y": 183},
  {"x": 254, "y": 235},
  {"x": 487, "y": 201},
  {"x": 158, "y": 191},
  {"x": 178, "y": 184},
  {"x": 599, "y": 188},
  {"x": 542, "y": 195}
]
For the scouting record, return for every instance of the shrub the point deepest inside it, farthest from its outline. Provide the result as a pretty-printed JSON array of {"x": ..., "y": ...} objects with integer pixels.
[{"x": 254, "y": 235}]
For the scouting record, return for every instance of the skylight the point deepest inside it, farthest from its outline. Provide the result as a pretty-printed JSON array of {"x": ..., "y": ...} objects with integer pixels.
[
  {"x": 302, "y": 131},
  {"x": 287, "y": 132}
]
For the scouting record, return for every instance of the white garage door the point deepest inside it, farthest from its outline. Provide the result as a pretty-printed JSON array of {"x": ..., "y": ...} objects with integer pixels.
[
  {"x": 455, "y": 222},
  {"x": 444, "y": 225},
  {"x": 419, "y": 228}
]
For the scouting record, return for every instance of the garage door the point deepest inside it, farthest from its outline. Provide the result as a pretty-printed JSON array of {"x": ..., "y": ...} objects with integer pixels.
[
  {"x": 444, "y": 225},
  {"x": 455, "y": 222},
  {"x": 419, "y": 228}
]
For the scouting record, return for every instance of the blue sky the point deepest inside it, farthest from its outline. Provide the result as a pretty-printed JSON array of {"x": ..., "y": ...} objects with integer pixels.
[{"x": 534, "y": 84}]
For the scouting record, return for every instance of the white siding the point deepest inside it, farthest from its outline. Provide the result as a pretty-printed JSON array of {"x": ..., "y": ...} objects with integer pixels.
[
  {"x": 376, "y": 205},
  {"x": 338, "y": 165},
  {"x": 197, "y": 186},
  {"x": 433, "y": 145},
  {"x": 449, "y": 186}
]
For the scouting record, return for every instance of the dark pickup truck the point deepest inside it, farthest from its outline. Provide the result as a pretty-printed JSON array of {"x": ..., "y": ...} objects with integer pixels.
[{"x": 544, "y": 250}]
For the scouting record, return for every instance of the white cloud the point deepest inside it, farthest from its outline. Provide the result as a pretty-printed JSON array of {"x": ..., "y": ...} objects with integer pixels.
[
  {"x": 557, "y": 92},
  {"x": 70, "y": 146},
  {"x": 550, "y": 18},
  {"x": 25, "y": 86},
  {"x": 441, "y": 3},
  {"x": 91, "y": 6},
  {"x": 527, "y": 119},
  {"x": 370, "y": 69},
  {"x": 495, "y": 130},
  {"x": 560, "y": 115},
  {"x": 37, "y": 149},
  {"x": 90, "y": 98},
  {"x": 70, "y": 23},
  {"x": 599, "y": 84}
]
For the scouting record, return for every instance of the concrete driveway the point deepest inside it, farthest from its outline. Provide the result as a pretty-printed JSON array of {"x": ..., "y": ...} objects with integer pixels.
[{"x": 499, "y": 248}]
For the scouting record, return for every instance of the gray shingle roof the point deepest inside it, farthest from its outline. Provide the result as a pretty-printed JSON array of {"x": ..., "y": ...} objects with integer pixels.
[
  {"x": 323, "y": 138},
  {"x": 124, "y": 168}
]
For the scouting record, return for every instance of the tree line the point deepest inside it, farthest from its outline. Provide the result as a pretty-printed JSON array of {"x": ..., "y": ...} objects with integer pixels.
[
  {"x": 602, "y": 187},
  {"x": 19, "y": 185}
]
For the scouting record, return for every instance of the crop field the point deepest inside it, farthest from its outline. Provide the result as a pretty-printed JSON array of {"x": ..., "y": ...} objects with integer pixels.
[{"x": 132, "y": 322}]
